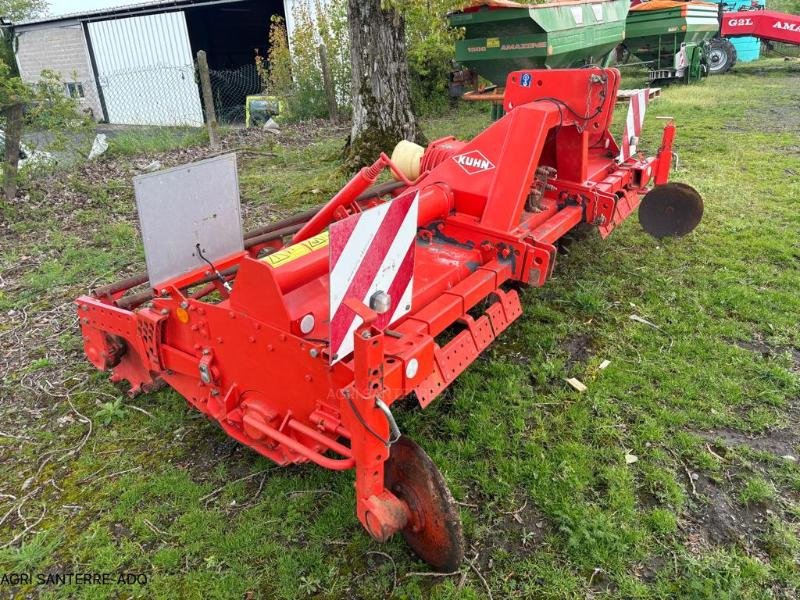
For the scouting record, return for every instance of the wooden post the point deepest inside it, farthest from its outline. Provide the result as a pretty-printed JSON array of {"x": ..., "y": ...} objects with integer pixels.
[
  {"x": 327, "y": 82},
  {"x": 208, "y": 98},
  {"x": 13, "y": 133}
]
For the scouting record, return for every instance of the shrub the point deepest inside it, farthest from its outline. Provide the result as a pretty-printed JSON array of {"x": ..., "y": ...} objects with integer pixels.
[
  {"x": 293, "y": 70},
  {"x": 430, "y": 43}
]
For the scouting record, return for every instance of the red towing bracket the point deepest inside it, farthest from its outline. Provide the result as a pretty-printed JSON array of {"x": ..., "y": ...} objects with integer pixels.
[{"x": 298, "y": 340}]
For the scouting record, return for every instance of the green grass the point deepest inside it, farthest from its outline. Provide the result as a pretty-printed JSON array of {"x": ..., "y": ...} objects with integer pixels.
[
  {"x": 550, "y": 505},
  {"x": 149, "y": 140},
  {"x": 756, "y": 490}
]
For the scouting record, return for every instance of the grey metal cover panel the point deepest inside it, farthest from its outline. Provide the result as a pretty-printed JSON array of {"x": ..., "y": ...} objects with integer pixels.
[{"x": 184, "y": 206}]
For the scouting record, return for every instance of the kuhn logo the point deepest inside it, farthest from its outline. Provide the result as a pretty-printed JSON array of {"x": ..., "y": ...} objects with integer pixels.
[
  {"x": 786, "y": 26},
  {"x": 473, "y": 162}
]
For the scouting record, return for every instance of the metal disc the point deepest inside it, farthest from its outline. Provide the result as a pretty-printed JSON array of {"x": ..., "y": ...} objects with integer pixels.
[
  {"x": 434, "y": 530},
  {"x": 672, "y": 209}
]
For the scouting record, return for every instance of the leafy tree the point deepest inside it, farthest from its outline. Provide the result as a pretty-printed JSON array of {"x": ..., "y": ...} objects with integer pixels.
[
  {"x": 296, "y": 75},
  {"x": 43, "y": 104},
  {"x": 15, "y": 11},
  {"x": 430, "y": 42},
  {"x": 19, "y": 10},
  {"x": 297, "y": 78},
  {"x": 13, "y": 93}
]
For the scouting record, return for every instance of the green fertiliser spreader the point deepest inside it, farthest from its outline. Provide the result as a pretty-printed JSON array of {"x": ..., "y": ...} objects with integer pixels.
[
  {"x": 675, "y": 38},
  {"x": 503, "y": 36}
]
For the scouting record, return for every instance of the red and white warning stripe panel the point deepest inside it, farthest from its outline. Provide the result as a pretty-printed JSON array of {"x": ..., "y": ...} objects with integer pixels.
[
  {"x": 633, "y": 124},
  {"x": 371, "y": 260}
]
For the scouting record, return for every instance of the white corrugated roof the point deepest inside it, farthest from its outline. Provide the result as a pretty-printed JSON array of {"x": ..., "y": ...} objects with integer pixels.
[{"x": 123, "y": 9}]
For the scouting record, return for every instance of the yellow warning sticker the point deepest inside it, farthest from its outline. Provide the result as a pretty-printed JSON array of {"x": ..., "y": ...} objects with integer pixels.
[
  {"x": 492, "y": 42},
  {"x": 295, "y": 251}
]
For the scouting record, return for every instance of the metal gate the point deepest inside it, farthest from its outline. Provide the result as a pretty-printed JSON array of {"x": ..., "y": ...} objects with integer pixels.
[{"x": 145, "y": 70}]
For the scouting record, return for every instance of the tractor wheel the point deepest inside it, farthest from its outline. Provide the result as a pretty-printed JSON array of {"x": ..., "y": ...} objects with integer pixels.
[
  {"x": 671, "y": 210},
  {"x": 720, "y": 56},
  {"x": 434, "y": 530}
]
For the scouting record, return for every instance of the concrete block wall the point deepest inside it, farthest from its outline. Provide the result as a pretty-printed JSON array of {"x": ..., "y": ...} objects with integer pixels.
[{"x": 59, "y": 47}]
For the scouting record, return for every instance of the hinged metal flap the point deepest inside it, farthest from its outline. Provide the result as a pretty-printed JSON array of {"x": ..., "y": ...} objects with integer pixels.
[{"x": 188, "y": 205}]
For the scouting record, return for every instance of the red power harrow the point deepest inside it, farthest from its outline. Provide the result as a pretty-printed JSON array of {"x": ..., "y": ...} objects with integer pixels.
[{"x": 302, "y": 363}]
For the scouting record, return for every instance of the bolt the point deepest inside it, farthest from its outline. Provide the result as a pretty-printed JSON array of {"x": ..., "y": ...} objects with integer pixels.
[
  {"x": 314, "y": 353},
  {"x": 164, "y": 291},
  {"x": 251, "y": 339},
  {"x": 380, "y": 302},
  {"x": 366, "y": 335},
  {"x": 206, "y": 352},
  {"x": 184, "y": 305},
  {"x": 84, "y": 307},
  {"x": 164, "y": 311},
  {"x": 215, "y": 392}
]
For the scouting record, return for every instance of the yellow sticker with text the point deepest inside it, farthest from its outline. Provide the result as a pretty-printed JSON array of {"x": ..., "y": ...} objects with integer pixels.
[
  {"x": 492, "y": 42},
  {"x": 295, "y": 251}
]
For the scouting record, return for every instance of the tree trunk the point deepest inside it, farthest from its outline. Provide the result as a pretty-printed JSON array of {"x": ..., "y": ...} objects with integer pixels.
[
  {"x": 327, "y": 83},
  {"x": 382, "y": 114},
  {"x": 13, "y": 135}
]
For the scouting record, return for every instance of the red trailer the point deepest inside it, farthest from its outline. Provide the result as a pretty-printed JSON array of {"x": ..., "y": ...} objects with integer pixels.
[{"x": 299, "y": 347}]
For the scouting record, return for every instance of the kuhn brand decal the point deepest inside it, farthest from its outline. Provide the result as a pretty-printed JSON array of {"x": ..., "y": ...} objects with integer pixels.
[{"x": 473, "y": 162}]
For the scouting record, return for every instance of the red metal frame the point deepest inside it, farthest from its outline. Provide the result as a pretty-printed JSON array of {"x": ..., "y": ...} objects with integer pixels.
[
  {"x": 767, "y": 25},
  {"x": 244, "y": 361}
]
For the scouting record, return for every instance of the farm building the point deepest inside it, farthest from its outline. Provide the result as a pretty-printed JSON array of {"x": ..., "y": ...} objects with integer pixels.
[{"x": 134, "y": 65}]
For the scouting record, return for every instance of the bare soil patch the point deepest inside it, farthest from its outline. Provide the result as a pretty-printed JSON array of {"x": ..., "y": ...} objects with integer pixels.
[
  {"x": 721, "y": 520},
  {"x": 579, "y": 349}
]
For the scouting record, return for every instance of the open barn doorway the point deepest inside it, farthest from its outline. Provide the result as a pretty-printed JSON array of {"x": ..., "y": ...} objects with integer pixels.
[{"x": 232, "y": 34}]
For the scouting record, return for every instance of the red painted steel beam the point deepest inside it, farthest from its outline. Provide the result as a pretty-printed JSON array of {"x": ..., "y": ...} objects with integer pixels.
[
  {"x": 554, "y": 228},
  {"x": 767, "y": 25}
]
